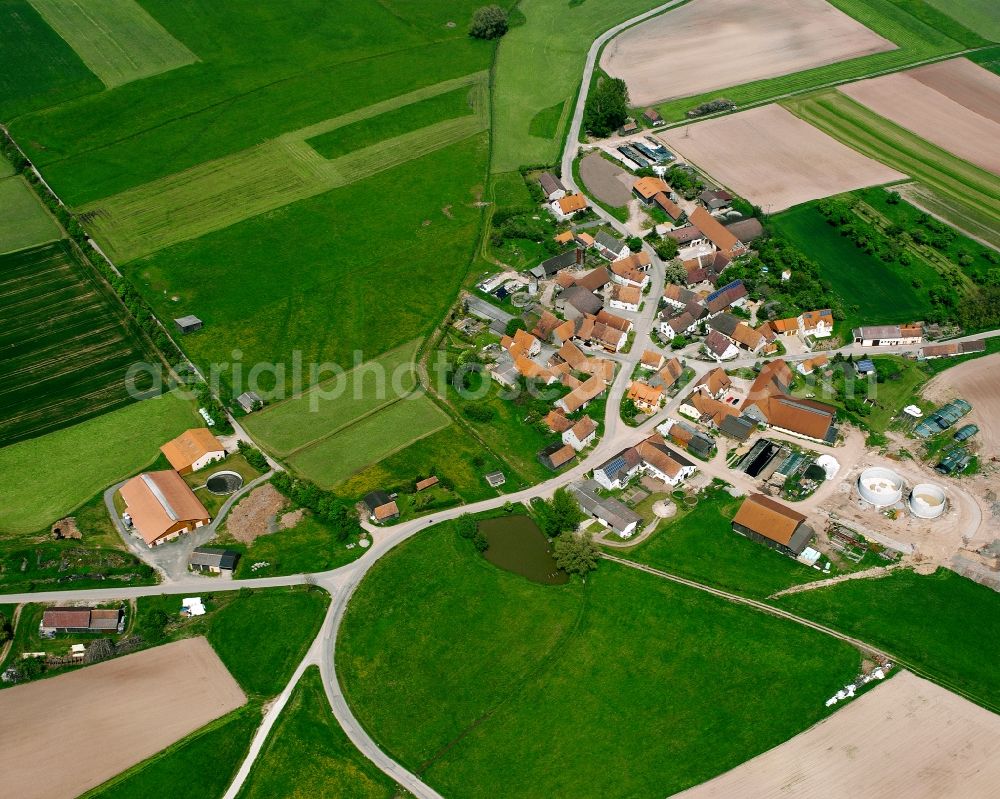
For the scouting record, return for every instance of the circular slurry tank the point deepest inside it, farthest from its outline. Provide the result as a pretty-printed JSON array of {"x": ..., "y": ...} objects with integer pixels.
[
  {"x": 223, "y": 483},
  {"x": 927, "y": 501},
  {"x": 880, "y": 487}
]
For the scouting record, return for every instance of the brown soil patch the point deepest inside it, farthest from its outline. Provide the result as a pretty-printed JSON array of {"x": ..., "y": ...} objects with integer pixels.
[
  {"x": 715, "y": 44},
  {"x": 976, "y": 382},
  {"x": 774, "y": 159},
  {"x": 255, "y": 514},
  {"x": 292, "y": 518},
  {"x": 905, "y": 738},
  {"x": 952, "y": 104},
  {"x": 63, "y": 736},
  {"x": 66, "y": 528},
  {"x": 608, "y": 183}
]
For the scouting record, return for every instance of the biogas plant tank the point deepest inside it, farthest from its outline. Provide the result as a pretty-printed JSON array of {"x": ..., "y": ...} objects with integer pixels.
[
  {"x": 880, "y": 487},
  {"x": 927, "y": 501}
]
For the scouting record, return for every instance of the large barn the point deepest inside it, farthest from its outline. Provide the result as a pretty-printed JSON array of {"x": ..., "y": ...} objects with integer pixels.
[{"x": 161, "y": 506}]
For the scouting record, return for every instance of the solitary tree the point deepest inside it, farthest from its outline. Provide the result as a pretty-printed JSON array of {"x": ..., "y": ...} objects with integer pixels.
[
  {"x": 607, "y": 107},
  {"x": 576, "y": 554},
  {"x": 488, "y": 22},
  {"x": 560, "y": 514},
  {"x": 666, "y": 248}
]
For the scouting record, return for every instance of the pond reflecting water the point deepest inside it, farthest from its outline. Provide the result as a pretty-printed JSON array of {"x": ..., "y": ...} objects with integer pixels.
[{"x": 518, "y": 545}]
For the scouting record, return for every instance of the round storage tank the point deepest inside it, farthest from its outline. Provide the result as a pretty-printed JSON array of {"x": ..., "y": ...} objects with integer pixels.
[
  {"x": 927, "y": 500},
  {"x": 880, "y": 487}
]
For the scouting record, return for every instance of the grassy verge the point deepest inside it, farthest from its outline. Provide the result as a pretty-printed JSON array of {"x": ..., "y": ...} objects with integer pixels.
[
  {"x": 473, "y": 668},
  {"x": 925, "y": 620},
  {"x": 334, "y": 766}
]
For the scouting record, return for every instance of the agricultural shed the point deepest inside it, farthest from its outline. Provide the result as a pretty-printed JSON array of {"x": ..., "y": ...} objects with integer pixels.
[
  {"x": 188, "y": 324},
  {"x": 162, "y": 506},
  {"x": 213, "y": 560},
  {"x": 192, "y": 450},
  {"x": 768, "y": 522}
]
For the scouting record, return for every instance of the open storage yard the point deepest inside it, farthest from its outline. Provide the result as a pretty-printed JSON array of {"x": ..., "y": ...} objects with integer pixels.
[
  {"x": 773, "y": 159},
  {"x": 953, "y": 104},
  {"x": 101, "y": 720},
  {"x": 907, "y": 737},
  {"x": 680, "y": 53}
]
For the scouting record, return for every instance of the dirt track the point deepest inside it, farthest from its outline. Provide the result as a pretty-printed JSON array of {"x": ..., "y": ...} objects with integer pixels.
[
  {"x": 906, "y": 738},
  {"x": 61, "y": 736},
  {"x": 953, "y": 104},
  {"x": 715, "y": 44},
  {"x": 774, "y": 159}
]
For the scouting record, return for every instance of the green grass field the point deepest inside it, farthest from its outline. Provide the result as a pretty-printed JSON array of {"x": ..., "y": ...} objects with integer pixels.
[
  {"x": 332, "y": 460},
  {"x": 701, "y": 545},
  {"x": 66, "y": 343},
  {"x": 333, "y": 768},
  {"x": 117, "y": 39},
  {"x": 213, "y": 753},
  {"x": 6, "y": 170},
  {"x": 45, "y": 478},
  {"x": 966, "y": 187},
  {"x": 919, "y": 31},
  {"x": 335, "y": 403},
  {"x": 459, "y": 670},
  {"x": 977, "y": 15},
  {"x": 873, "y": 292},
  {"x": 25, "y": 222},
  {"x": 943, "y": 625}
]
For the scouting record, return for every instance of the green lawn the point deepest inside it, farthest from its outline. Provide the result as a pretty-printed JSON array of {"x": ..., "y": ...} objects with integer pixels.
[
  {"x": 873, "y": 291},
  {"x": 260, "y": 634},
  {"x": 118, "y": 40},
  {"x": 47, "y": 477},
  {"x": 919, "y": 31},
  {"x": 459, "y": 669},
  {"x": 202, "y": 764},
  {"x": 701, "y": 545},
  {"x": 978, "y": 15},
  {"x": 25, "y": 221},
  {"x": 333, "y": 768},
  {"x": 944, "y": 626},
  {"x": 334, "y": 459}
]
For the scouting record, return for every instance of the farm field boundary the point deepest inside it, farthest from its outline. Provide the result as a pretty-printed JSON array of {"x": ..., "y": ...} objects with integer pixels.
[
  {"x": 117, "y": 39},
  {"x": 919, "y": 32},
  {"x": 300, "y": 421},
  {"x": 220, "y": 193},
  {"x": 25, "y": 221},
  {"x": 967, "y": 187},
  {"x": 948, "y": 211},
  {"x": 334, "y": 458}
]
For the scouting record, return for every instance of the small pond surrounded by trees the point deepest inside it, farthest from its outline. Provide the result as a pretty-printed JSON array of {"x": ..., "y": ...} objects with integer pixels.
[{"x": 518, "y": 545}]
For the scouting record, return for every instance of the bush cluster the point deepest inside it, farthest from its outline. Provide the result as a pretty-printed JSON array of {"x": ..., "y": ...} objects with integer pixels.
[{"x": 325, "y": 505}]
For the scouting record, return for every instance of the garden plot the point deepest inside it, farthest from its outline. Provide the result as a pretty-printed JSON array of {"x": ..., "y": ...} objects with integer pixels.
[
  {"x": 908, "y": 738},
  {"x": 220, "y": 193},
  {"x": 103, "y": 719},
  {"x": 117, "y": 39},
  {"x": 706, "y": 45},
  {"x": 774, "y": 159},
  {"x": 953, "y": 104}
]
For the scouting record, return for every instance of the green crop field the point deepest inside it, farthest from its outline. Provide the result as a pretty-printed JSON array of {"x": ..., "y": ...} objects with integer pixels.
[
  {"x": 24, "y": 222},
  {"x": 335, "y": 403},
  {"x": 459, "y": 669},
  {"x": 116, "y": 39},
  {"x": 335, "y": 458},
  {"x": 969, "y": 190},
  {"x": 65, "y": 342},
  {"x": 6, "y": 170},
  {"x": 977, "y": 15},
  {"x": 873, "y": 292},
  {"x": 333, "y": 768},
  {"x": 919, "y": 31},
  {"x": 924, "y": 620},
  {"x": 47, "y": 477}
]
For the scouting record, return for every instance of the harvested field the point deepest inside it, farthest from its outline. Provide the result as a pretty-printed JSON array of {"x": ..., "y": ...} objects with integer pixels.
[
  {"x": 607, "y": 182},
  {"x": 665, "y": 57},
  {"x": 976, "y": 382},
  {"x": 953, "y": 104},
  {"x": 25, "y": 221},
  {"x": 782, "y": 161},
  {"x": 255, "y": 514},
  {"x": 106, "y": 718},
  {"x": 907, "y": 737},
  {"x": 117, "y": 39}
]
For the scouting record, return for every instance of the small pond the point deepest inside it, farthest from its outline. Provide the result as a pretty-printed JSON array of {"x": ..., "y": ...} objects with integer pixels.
[{"x": 517, "y": 545}]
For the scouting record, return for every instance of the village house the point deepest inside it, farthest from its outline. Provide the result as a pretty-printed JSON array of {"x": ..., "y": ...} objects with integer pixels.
[
  {"x": 577, "y": 301},
  {"x": 668, "y": 206},
  {"x": 715, "y": 232},
  {"x": 810, "y": 365},
  {"x": 652, "y": 360},
  {"x": 668, "y": 375},
  {"x": 663, "y": 463},
  {"x": 609, "y": 247},
  {"x": 647, "y": 398},
  {"x": 631, "y": 270},
  {"x": 773, "y": 524},
  {"x": 566, "y": 237},
  {"x": 192, "y": 450},
  {"x": 678, "y": 297},
  {"x": 609, "y": 512},
  {"x": 615, "y": 472},
  {"x": 550, "y": 266},
  {"x": 581, "y": 434},
  {"x": 647, "y": 188},
  {"x": 719, "y": 346},
  {"x": 160, "y": 506},
  {"x": 769, "y": 402},
  {"x": 582, "y": 395},
  {"x": 818, "y": 324},
  {"x": 732, "y": 294},
  {"x": 380, "y": 506},
  {"x": 552, "y": 187},
  {"x": 714, "y": 384},
  {"x": 565, "y": 207},
  {"x": 889, "y": 335},
  {"x": 680, "y": 325},
  {"x": 626, "y": 298},
  {"x": 716, "y": 199}
]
